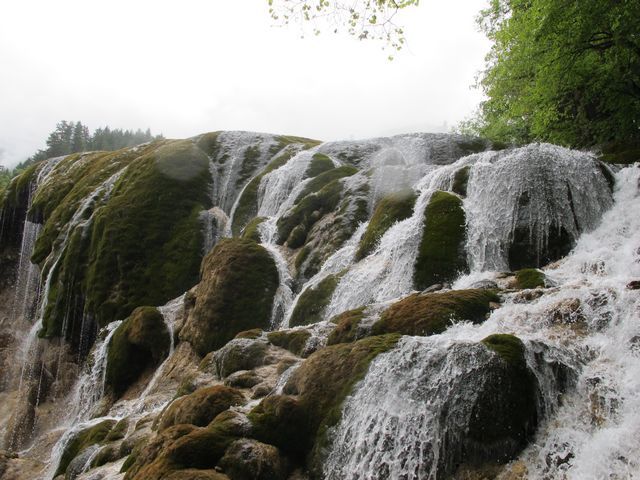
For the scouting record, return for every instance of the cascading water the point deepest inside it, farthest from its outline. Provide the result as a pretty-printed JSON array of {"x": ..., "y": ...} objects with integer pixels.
[
  {"x": 541, "y": 188},
  {"x": 388, "y": 272},
  {"x": 394, "y": 424}
]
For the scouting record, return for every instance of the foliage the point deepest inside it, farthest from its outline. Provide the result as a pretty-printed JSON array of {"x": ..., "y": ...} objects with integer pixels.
[
  {"x": 362, "y": 19},
  {"x": 562, "y": 72}
]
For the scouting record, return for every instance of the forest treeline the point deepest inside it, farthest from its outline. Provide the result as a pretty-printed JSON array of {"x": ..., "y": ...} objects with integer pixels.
[{"x": 72, "y": 137}]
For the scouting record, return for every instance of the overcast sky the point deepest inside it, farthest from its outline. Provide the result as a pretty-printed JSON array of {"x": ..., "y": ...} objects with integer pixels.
[{"x": 192, "y": 66}]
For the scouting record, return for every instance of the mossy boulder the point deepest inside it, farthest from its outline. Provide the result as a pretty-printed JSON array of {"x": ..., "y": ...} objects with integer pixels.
[
  {"x": 347, "y": 326},
  {"x": 248, "y": 459},
  {"x": 251, "y": 231},
  {"x": 505, "y": 414},
  {"x": 460, "y": 181},
  {"x": 325, "y": 178},
  {"x": 146, "y": 242},
  {"x": 313, "y": 301},
  {"x": 390, "y": 209},
  {"x": 307, "y": 212},
  {"x": 320, "y": 163},
  {"x": 529, "y": 278},
  {"x": 140, "y": 342},
  {"x": 432, "y": 313},
  {"x": 93, "y": 435},
  {"x": 239, "y": 281},
  {"x": 441, "y": 254},
  {"x": 238, "y": 354},
  {"x": 180, "y": 449},
  {"x": 200, "y": 407},
  {"x": 292, "y": 340},
  {"x": 298, "y": 421}
]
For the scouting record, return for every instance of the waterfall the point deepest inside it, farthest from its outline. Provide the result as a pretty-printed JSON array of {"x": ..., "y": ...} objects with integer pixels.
[
  {"x": 277, "y": 185},
  {"x": 411, "y": 404},
  {"x": 539, "y": 187},
  {"x": 388, "y": 272},
  {"x": 90, "y": 386}
]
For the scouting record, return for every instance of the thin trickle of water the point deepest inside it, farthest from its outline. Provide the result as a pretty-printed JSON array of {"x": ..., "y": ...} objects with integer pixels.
[
  {"x": 90, "y": 386},
  {"x": 284, "y": 294}
]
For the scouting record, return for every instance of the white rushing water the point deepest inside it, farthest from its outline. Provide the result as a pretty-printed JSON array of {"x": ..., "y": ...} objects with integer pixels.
[{"x": 394, "y": 423}]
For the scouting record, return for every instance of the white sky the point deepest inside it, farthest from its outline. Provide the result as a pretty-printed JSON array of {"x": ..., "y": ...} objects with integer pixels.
[{"x": 192, "y": 66}]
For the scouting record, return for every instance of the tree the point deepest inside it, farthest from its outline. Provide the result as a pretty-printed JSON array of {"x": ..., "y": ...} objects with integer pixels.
[
  {"x": 363, "y": 19},
  {"x": 564, "y": 71}
]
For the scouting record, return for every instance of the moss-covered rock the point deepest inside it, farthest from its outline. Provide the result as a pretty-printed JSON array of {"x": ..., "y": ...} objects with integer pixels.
[
  {"x": 390, "y": 209},
  {"x": 200, "y": 407},
  {"x": 140, "y": 342},
  {"x": 292, "y": 340},
  {"x": 239, "y": 281},
  {"x": 81, "y": 440},
  {"x": 247, "y": 459},
  {"x": 180, "y": 449},
  {"x": 460, "y": 180},
  {"x": 323, "y": 179},
  {"x": 313, "y": 301},
  {"x": 320, "y": 163},
  {"x": 247, "y": 206},
  {"x": 298, "y": 421},
  {"x": 328, "y": 230},
  {"x": 529, "y": 278},
  {"x": 251, "y": 231},
  {"x": 238, "y": 354},
  {"x": 347, "y": 324},
  {"x": 308, "y": 211},
  {"x": 146, "y": 242},
  {"x": 504, "y": 417},
  {"x": 441, "y": 254},
  {"x": 432, "y": 313}
]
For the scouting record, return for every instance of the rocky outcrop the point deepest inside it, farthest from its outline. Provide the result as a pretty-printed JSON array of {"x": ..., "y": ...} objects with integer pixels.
[{"x": 235, "y": 293}]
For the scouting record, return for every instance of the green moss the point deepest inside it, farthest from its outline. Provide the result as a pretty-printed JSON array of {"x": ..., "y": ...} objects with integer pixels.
[
  {"x": 529, "y": 278},
  {"x": 441, "y": 254},
  {"x": 432, "y": 313},
  {"x": 146, "y": 242},
  {"x": 250, "y": 163},
  {"x": 247, "y": 207},
  {"x": 460, "y": 180},
  {"x": 313, "y": 301},
  {"x": 251, "y": 231},
  {"x": 239, "y": 281},
  {"x": 140, "y": 342},
  {"x": 292, "y": 340},
  {"x": 346, "y": 326},
  {"x": 509, "y": 347},
  {"x": 208, "y": 143},
  {"x": 321, "y": 383},
  {"x": 119, "y": 431},
  {"x": 250, "y": 334},
  {"x": 81, "y": 440},
  {"x": 302, "y": 255},
  {"x": 200, "y": 407},
  {"x": 505, "y": 414},
  {"x": 389, "y": 210},
  {"x": 309, "y": 210},
  {"x": 325, "y": 178},
  {"x": 320, "y": 163}
]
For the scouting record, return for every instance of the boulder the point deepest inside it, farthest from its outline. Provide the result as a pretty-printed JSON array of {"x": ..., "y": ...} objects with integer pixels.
[{"x": 239, "y": 281}]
